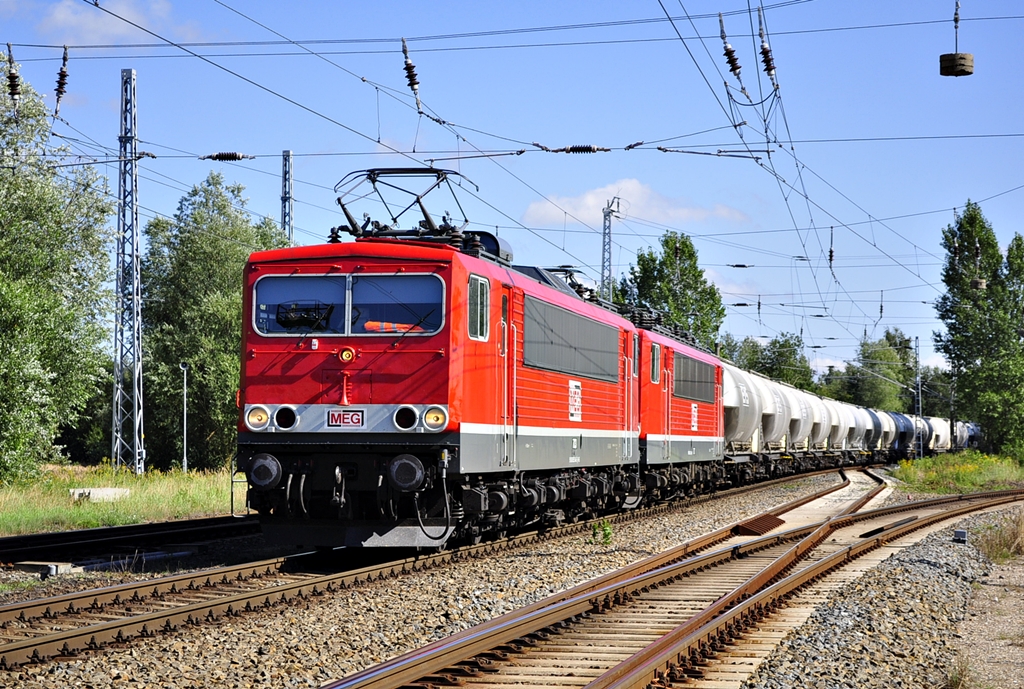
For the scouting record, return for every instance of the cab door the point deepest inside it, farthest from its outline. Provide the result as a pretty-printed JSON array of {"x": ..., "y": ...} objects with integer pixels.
[
  {"x": 668, "y": 382},
  {"x": 507, "y": 344}
]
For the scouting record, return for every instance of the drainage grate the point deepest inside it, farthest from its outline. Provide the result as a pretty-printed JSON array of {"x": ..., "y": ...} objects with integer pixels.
[{"x": 758, "y": 526}]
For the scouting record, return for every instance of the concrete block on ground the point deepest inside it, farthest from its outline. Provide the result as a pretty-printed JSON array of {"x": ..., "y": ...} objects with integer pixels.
[{"x": 99, "y": 494}]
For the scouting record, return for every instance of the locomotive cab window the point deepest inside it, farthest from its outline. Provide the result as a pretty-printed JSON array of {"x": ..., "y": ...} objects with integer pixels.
[
  {"x": 655, "y": 363},
  {"x": 289, "y": 305},
  {"x": 388, "y": 304},
  {"x": 479, "y": 307},
  {"x": 301, "y": 305}
]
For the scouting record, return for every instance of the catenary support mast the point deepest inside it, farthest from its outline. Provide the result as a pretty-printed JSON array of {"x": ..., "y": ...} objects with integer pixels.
[
  {"x": 606, "y": 249},
  {"x": 127, "y": 437},
  {"x": 286, "y": 195}
]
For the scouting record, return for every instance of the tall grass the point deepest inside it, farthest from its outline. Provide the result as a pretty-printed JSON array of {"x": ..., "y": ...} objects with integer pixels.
[
  {"x": 44, "y": 502},
  {"x": 1004, "y": 540},
  {"x": 962, "y": 472}
]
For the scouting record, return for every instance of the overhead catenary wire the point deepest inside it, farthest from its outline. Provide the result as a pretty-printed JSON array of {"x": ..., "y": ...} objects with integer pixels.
[{"x": 809, "y": 247}]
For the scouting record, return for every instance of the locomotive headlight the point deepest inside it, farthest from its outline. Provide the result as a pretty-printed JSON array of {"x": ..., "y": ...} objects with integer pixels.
[
  {"x": 435, "y": 418},
  {"x": 347, "y": 354},
  {"x": 257, "y": 418}
]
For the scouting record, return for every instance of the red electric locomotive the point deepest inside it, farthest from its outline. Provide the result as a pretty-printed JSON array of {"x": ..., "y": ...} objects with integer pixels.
[
  {"x": 412, "y": 387},
  {"x": 681, "y": 411}
]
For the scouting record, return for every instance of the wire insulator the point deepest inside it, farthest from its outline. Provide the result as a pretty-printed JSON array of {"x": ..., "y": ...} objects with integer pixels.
[
  {"x": 730, "y": 53},
  {"x": 766, "y": 51},
  {"x": 579, "y": 148},
  {"x": 410, "y": 75},
  {"x": 62, "y": 82},
  {"x": 730, "y": 57},
  {"x": 13, "y": 82},
  {"x": 227, "y": 156},
  {"x": 766, "y": 58}
]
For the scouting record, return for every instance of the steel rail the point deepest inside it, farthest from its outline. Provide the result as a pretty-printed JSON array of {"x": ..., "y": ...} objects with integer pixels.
[
  {"x": 15, "y": 548},
  {"x": 677, "y": 655},
  {"x": 598, "y": 593},
  {"x": 442, "y": 659},
  {"x": 93, "y": 636}
]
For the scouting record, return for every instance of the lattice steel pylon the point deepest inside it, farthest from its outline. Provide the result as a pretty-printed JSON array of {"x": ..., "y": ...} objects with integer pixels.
[
  {"x": 606, "y": 250},
  {"x": 286, "y": 195},
  {"x": 127, "y": 436}
]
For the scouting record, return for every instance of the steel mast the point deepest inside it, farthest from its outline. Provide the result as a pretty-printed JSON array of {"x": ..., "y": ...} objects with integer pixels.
[
  {"x": 286, "y": 195},
  {"x": 606, "y": 250},
  {"x": 127, "y": 435}
]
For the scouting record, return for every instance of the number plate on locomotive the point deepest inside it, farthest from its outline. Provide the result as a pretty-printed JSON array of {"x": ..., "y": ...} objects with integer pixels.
[{"x": 346, "y": 418}]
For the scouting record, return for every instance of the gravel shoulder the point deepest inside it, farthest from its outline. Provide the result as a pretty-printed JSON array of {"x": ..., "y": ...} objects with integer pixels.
[{"x": 992, "y": 635}]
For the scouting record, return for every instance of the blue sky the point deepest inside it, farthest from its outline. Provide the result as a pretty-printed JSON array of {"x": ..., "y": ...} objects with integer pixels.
[{"x": 870, "y": 149}]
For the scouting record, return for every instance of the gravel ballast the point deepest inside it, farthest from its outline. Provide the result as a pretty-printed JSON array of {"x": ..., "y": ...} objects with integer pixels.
[
  {"x": 895, "y": 626},
  {"x": 327, "y": 638}
]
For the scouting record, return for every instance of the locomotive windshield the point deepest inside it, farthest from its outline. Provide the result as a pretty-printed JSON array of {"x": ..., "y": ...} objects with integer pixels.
[
  {"x": 349, "y": 305},
  {"x": 396, "y": 304}
]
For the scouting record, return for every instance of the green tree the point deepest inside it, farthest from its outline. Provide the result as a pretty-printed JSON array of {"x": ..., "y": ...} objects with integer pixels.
[
  {"x": 744, "y": 353},
  {"x": 670, "y": 281},
  {"x": 982, "y": 337},
  {"x": 192, "y": 313},
  {"x": 838, "y": 384},
  {"x": 883, "y": 374},
  {"x": 936, "y": 389},
  {"x": 54, "y": 268},
  {"x": 783, "y": 359}
]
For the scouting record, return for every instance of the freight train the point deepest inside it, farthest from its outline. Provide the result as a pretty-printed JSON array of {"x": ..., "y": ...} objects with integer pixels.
[{"x": 416, "y": 386}]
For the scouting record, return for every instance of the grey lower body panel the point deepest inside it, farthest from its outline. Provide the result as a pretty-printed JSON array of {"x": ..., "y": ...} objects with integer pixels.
[
  {"x": 683, "y": 449},
  {"x": 486, "y": 448}
]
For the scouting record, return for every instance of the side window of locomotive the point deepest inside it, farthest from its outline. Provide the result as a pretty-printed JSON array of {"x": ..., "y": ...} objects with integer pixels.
[
  {"x": 479, "y": 308},
  {"x": 389, "y": 304},
  {"x": 694, "y": 380},
  {"x": 556, "y": 339},
  {"x": 636, "y": 355},
  {"x": 297, "y": 305},
  {"x": 655, "y": 363}
]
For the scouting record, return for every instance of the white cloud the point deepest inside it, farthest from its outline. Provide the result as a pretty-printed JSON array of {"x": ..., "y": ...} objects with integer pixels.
[
  {"x": 820, "y": 363},
  {"x": 728, "y": 288},
  {"x": 73, "y": 21},
  {"x": 8, "y": 8},
  {"x": 638, "y": 201}
]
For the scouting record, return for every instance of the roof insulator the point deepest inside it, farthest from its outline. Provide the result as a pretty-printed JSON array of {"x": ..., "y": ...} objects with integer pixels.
[
  {"x": 227, "y": 156},
  {"x": 410, "y": 75},
  {"x": 62, "y": 82}
]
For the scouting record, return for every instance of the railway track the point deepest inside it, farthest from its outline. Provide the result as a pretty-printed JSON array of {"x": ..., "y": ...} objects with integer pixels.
[
  {"x": 674, "y": 623},
  {"x": 35, "y": 631},
  {"x": 63, "y": 545}
]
